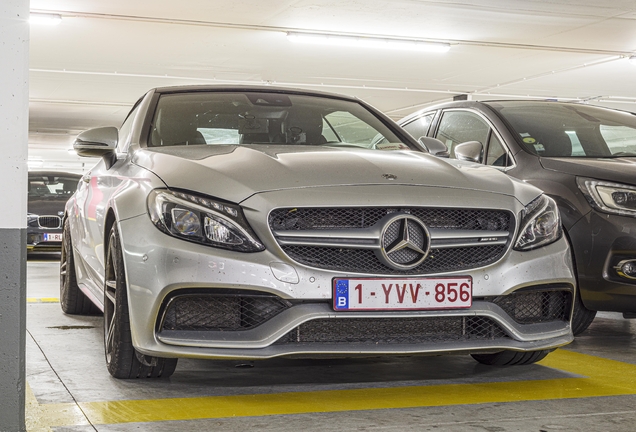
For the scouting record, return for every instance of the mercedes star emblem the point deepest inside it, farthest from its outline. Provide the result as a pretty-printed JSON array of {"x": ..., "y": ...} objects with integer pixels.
[{"x": 405, "y": 242}]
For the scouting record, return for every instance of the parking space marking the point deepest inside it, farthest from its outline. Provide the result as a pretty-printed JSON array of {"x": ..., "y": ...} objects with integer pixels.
[
  {"x": 42, "y": 300},
  {"x": 41, "y": 417},
  {"x": 602, "y": 377}
]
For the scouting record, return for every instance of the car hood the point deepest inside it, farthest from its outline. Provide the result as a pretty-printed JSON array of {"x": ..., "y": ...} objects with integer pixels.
[
  {"x": 50, "y": 206},
  {"x": 620, "y": 170},
  {"x": 235, "y": 173}
]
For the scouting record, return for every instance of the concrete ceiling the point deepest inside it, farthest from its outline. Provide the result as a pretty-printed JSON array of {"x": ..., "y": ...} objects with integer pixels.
[{"x": 88, "y": 71}]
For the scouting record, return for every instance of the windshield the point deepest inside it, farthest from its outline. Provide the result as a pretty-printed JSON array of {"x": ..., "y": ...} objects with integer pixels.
[
  {"x": 51, "y": 186},
  {"x": 218, "y": 118},
  {"x": 551, "y": 129}
]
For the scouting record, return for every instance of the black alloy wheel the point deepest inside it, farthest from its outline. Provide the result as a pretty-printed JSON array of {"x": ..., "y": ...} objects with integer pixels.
[{"x": 122, "y": 360}]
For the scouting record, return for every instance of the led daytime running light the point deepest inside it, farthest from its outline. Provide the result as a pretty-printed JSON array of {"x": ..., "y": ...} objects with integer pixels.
[{"x": 613, "y": 198}]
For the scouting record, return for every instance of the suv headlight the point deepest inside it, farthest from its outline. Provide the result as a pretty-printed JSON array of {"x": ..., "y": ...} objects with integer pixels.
[
  {"x": 540, "y": 224},
  {"x": 32, "y": 219},
  {"x": 609, "y": 197},
  {"x": 202, "y": 220}
]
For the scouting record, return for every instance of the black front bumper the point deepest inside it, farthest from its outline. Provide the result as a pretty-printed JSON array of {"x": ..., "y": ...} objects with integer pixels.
[{"x": 600, "y": 241}]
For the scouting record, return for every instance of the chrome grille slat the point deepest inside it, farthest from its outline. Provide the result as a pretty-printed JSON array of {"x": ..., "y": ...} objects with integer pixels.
[{"x": 369, "y": 238}]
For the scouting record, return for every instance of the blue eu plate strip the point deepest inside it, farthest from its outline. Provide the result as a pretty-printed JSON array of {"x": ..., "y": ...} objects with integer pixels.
[{"x": 342, "y": 295}]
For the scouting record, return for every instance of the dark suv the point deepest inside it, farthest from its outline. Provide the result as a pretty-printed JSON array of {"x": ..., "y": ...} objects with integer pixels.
[
  {"x": 48, "y": 193},
  {"x": 582, "y": 156}
]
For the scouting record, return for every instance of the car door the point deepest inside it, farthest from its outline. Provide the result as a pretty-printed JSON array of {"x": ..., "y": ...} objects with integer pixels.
[
  {"x": 96, "y": 188},
  {"x": 457, "y": 126}
]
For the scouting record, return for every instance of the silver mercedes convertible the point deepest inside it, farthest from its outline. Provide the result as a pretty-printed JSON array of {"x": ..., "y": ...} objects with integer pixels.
[{"x": 256, "y": 222}]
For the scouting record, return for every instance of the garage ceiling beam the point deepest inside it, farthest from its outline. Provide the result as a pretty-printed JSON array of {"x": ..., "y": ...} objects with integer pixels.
[{"x": 254, "y": 27}]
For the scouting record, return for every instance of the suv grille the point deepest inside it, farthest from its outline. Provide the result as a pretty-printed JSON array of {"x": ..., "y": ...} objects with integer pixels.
[
  {"x": 465, "y": 251},
  {"x": 394, "y": 330}
]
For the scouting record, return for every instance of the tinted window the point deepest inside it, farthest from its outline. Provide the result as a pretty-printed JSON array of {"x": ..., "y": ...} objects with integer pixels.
[
  {"x": 552, "y": 129},
  {"x": 619, "y": 139},
  {"x": 51, "y": 185},
  {"x": 216, "y": 118},
  {"x": 419, "y": 127},
  {"x": 497, "y": 155},
  {"x": 457, "y": 127}
]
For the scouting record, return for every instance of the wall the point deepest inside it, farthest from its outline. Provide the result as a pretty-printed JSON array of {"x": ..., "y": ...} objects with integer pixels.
[{"x": 14, "y": 105}]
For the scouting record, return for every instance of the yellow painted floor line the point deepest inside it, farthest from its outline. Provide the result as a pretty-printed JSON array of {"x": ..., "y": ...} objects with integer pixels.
[
  {"x": 40, "y": 417},
  {"x": 43, "y": 300},
  {"x": 602, "y": 377}
]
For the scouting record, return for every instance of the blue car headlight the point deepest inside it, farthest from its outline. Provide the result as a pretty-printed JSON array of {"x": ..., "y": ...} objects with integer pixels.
[{"x": 202, "y": 220}]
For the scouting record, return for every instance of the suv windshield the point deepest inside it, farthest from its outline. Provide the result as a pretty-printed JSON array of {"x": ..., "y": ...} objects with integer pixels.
[
  {"x": 213, "y": 118},
  {"x": 552, "y": 129},
  {"x": 51, "y": 186}
]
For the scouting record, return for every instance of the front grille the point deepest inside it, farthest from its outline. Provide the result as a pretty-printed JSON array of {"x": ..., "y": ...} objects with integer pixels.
[
  {"x": 355, "y": 259},
  {"x": 221, "y": 312},
  {"x": 385, "y": 331},
  {"x": 50, "y": 221},
  {"x": 287, "y": 219},
  {"x": 529, "y": 307},
  {"x": 365, "y": 260}
]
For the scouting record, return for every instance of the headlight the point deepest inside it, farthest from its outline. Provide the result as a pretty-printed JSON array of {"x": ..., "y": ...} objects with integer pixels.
[
  {"x": 32, "y": 219},
  {"x": 609, "y": 197},
  {"x": 202, "y": 220},
  {"x": 540, "y": 224}
]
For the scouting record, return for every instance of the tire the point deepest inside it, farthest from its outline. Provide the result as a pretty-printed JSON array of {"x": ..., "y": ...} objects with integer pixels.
[
  {"x": 122, "y": 360},
  {"x": 582, "y": 317},
  {"x": 511, "y": 358},
  {"x": 72, "y": 300}
]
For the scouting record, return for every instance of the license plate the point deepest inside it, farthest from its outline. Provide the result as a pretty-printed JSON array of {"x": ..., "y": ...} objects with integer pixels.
[
  {"x": 402, "y": 294},
  {"x": 52, "y": 237}
]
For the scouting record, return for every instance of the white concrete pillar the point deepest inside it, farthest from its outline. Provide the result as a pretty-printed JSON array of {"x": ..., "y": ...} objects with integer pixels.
[{"x": 14, "y": 124}]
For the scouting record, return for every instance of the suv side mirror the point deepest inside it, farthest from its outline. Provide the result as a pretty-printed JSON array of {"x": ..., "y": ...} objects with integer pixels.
[
  {"x": 97, "y": 142},
  {"x": 434, "y": 146},
  {"x": 469, "y": 151}
]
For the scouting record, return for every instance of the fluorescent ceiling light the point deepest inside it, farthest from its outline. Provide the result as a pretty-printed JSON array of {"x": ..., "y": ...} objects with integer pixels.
[
  {"x": 368, "y": 42},
  {"x": 45, "y": 18},
  {"x": 35, "y": 163}
]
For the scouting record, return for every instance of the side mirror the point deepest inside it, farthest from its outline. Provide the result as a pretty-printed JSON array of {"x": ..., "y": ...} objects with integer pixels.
[
  {"x": 434, "y": 146},
  {"x": 97, "y": 142},
  {"x": 469, "y": 151}
]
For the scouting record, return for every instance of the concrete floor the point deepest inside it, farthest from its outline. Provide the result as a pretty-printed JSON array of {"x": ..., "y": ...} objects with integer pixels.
[{"x": 588, "y": 386}]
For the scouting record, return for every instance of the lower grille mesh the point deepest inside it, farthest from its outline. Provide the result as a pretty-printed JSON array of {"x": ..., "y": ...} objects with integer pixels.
[
  {"x": 221, "y": 312},
  {"x": 529, "y": 307},
  {"x": 394, "y": 330}
]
